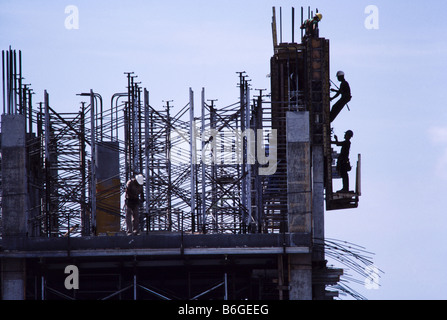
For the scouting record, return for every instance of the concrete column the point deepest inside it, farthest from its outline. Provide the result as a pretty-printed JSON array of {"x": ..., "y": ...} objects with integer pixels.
[
  {"x": 108, "y": 203},
  {"x": 300, "y": 277},
  {"x": 318, "y": 202},
  {"x": 319, "y": 289},
  {"x": 14, "y": 214},
  {"x": 13, "y": 175},
  {"x": 13, "y": 279},
  {"x": 299, "y": 201},
  {"x": 299, "y": 189}
]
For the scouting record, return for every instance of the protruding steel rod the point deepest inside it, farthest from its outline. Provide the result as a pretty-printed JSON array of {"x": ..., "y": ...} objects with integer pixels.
[
  {"x": 3, "y": 81},
  {"x": 293, "y": 24}
]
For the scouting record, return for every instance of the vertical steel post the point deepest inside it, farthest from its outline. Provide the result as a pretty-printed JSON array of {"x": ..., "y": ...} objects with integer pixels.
[
  {"x": 42, "y": 287},
  {"x": 126, "y": 140},
  {"x": 293, "y": 24},
  {"x": 151, "y": 164},
  {"x": 47, "y": 165},
  {"x": 3, "y": 81},
  {"x": 226, "y": 286},
  {"x": 140, "y": 132},
  {"x": 134, "y": 286},
  {"x": 203, "y": 180},
  {"x": 247, "y": 150},
  {"x": 168, "y": 166},
  {"x": 19, "y": 87},
  {"x": 93, "y": 160},
  {"x": 280, "y": 24},
  {"x": 213, "y": 163},
  {"x": 10, "y": 83},
  {"x": 302, "y": 21},
  {"x": 8, "y": 93},
  {"x": 192, "y": 148},
  {"x": 127, "y": 127},
  {"x": 23, "y": 104},
  {"x": 14, "y": 79},
  {"x": 259, "y": 139},
  {"x": 84, "y": 221},
  {"x": 242, "y": 152},
  {"x": 30, "y": 111},
  {"x": 135, "y": 141},
  {"x": 146, "y": 153}
]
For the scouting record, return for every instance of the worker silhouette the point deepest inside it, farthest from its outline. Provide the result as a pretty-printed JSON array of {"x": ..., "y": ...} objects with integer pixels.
[
  {"x": 134, "y": 195},
  {"x": 343, "y": 164},
  {"x": 311, "y": 25},
  {"x": 344, "y": 91}
]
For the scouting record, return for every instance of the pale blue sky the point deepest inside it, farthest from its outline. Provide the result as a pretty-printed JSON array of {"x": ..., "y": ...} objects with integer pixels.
[{"x": 398, "y": 111}]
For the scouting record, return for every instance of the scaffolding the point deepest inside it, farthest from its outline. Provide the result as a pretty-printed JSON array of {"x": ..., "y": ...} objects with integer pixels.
[{"x": 208, "y": 169}]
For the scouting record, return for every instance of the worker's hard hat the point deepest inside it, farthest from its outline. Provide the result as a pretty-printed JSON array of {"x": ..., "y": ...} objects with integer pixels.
[
  {"x": 139, "y": 179},
  {"x": 350, "y": 133},
  {"x": 319, "y": 16},
  {"x": 340, "y": 74}
]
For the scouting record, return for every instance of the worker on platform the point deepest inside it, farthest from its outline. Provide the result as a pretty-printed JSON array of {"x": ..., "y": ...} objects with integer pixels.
[
  {"x": 343, "y": 163},
  {"x": 344, "y": 91},
  {"x": 134, "y": 195},
  {"x": 311, "y": 25}
]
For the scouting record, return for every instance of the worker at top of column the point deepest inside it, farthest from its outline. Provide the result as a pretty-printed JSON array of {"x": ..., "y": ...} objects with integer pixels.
[
  {"x": 344, "y": 91},
  {"x": 311, "y": 25},
  {"x": 134, "y": 194}
]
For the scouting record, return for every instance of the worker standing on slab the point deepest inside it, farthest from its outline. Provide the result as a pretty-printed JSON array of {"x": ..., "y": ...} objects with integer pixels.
[
  {"x": 344, "y": 91},
  {"x": 134, "y": 195},
  {"x": 343, "y": 163}
]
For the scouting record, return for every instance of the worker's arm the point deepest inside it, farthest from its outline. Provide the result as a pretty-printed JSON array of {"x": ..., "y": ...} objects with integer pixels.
[
  {"x": 338, "y": 93},
  {"x": 336, "y": 142}
]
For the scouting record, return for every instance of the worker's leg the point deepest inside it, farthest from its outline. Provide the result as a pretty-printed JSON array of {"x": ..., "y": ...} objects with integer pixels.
[
  {"x": 129, "y": 214},
  {"x": 135, "y": 220},
  {"x": 336, "y": 108},
  {"x": 345, "y": 179}
]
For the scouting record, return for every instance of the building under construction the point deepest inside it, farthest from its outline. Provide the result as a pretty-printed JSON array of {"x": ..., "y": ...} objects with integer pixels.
[{"x": 235, "y": 196}]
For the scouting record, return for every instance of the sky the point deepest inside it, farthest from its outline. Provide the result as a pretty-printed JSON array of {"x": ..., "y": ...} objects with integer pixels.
[{"x": 398, "y": 112}]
